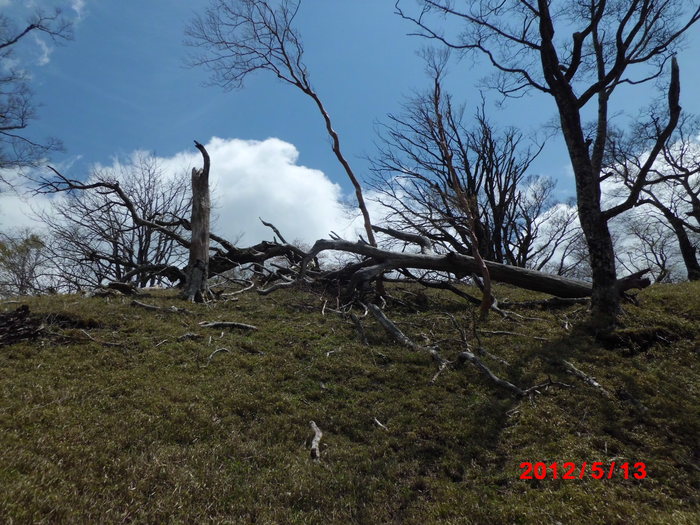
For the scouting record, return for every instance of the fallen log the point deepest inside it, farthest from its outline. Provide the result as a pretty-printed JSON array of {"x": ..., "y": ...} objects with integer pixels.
[
  {"x": 385, "y": 261},
  {"x": 452, "y": 263}
]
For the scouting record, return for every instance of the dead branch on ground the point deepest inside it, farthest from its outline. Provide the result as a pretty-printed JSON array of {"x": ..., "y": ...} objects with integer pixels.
[
  {"x": 18, "y": 325},
  {"x": 585, "y": 377},
  {"x": 227, "y": 324},
  {"x": 316, "y": 442},
  {"x": 218, "y": 350},
  {"x": 468, "y": 356},
  {"x": 360, "y": 329},
  {"x": 397, "y": 334},
  {"x": 189, "y": 335},
  {"x": 171, "y": 309}
]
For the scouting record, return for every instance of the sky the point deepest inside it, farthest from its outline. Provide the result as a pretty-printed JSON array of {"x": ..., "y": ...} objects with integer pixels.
[{"x": 122, "y": 85}]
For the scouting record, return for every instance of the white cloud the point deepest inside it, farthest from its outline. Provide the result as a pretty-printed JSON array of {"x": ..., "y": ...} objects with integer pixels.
[
  {"x": 251, "y": 179},
  {"x": 16, "y": 210},
  {"x": 9, "y": 64},
  {"x": 79, "y": 7},
  {"x": 4, "y": 3},
  {"x": 45, "y": 51}
]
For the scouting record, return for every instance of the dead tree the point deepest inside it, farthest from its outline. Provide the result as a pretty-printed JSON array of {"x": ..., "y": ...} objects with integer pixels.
[
  {"x": 221, "y": 256},
  {"x": 240, "y": 37},
  {"x": 17, "y": 110},
  {"x": 93, "y": 238},
  {"x": 197, "y": 270},
  {"x": 22, "y": 261},
  {"x": 466, "y": 203},
  {"x": 427, "y": 155},
  {"x": 524, "y": 42},
  {"x": 674, "y": 181},
  {"x": 304, "y": 267},
  {"x": 379, "y": 261}
]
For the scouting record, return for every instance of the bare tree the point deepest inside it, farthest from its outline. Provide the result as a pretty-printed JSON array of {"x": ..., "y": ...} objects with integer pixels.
[
  {"x": 167, "y": 224},
  {"x": 647, "y": 241},
  {"x": 17, "y": 110},
  {"x": 529, "y": 47},
  {"x": 557, "y": 244},
  {"x": 22, "y": 255},
  {"x": 240, "y": 37},
  {"x": 94, "y": 239},
  {"x": 417, "y": 187},
  {"x": 673, "y": 187}
]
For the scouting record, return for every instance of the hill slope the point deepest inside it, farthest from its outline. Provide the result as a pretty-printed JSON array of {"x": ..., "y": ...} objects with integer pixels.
[{"x": 115, "y": 414}]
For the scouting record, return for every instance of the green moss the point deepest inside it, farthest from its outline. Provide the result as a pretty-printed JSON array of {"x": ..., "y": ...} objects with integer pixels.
[{"x": 148, "y": 429}]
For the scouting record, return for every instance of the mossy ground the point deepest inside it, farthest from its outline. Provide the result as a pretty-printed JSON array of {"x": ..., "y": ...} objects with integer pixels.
[{"x": 152, "y": 431}]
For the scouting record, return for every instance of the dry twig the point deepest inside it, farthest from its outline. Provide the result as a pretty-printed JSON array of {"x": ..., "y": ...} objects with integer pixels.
[{"x": 211, "y": 356}]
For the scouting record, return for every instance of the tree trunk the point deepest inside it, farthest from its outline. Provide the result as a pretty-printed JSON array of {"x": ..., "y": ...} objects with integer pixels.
[
  {"x": 198, "y": 266},
  {"x": 688, "y": 251},
  {"x": 605, "y": 297}
]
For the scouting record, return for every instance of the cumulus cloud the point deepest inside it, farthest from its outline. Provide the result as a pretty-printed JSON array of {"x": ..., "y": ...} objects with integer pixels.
[
  {"x": 252, "y": 179},
  {"x": 249, "y": 179}
]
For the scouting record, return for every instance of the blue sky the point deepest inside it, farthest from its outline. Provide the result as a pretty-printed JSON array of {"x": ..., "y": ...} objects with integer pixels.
[{"x": 121, "y": 85}]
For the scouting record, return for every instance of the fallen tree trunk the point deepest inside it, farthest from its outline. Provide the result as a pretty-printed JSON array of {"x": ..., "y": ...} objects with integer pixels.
[
  {"x": 385, "y": 261},
  {"x": 452, "y": 263}
]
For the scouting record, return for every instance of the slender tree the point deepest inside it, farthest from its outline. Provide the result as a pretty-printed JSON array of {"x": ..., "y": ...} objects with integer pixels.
[
  {"x": 17, "y": 109},
  {"x": 578, "y": 52},
  {"x": 240, "y": 37}
]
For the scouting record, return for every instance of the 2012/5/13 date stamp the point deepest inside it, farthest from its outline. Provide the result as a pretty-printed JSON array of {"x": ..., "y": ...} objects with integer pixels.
[{"x": 595, "y": 470}]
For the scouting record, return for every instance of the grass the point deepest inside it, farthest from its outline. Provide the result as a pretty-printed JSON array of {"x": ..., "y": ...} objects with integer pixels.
[{"x": 152, "y": 431}]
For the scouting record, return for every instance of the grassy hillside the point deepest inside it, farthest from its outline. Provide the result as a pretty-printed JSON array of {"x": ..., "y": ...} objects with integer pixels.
[{"x": 111, "y": 416}]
